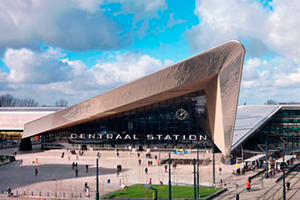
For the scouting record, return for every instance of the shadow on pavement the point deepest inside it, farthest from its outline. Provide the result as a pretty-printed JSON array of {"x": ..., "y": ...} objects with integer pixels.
[{"x": 20, "y": 176}]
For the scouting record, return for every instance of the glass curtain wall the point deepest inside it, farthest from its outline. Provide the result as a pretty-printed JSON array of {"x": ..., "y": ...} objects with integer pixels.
[{"x": 182, "y": 120}]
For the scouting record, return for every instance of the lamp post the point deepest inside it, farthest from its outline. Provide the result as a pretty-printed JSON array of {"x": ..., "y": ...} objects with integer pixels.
[
  {"x": 213, "y": 160},
  {"x": 195, "y": 190},
  {"x": 198, "y": 175},
  {"x": 283, "y": 176},
  {"x": 97, "y": 182},
  {"x": 170, "y": 197},
  {"x": 266, "y": 150}
]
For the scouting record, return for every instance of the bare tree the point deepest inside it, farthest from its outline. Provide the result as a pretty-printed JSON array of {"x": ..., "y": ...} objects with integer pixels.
[
  {"x": 61, "y": 103},
  {"x": 271, "y": 102},
  {"x": 7, "y": 100},
  {"x": 29, "y": 103}
]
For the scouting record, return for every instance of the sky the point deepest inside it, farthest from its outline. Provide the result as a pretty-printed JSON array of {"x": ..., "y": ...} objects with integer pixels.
[{"x": 75, "y": 49}]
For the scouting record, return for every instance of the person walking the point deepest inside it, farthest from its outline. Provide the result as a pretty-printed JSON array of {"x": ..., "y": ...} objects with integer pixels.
[
  {"x": 76, "y": 172},
  {"x": 220, "y": 171},
  {"x": 140, "y": 161},
  {"x": 248, "y": 186},
  {"x": 86, "y": 168},
  {"x": 146, "y": 170},
  {"x": 86, "y": 189},
  {"x": 288, "y": 185},
  {"x": 8, "y": 192},
  {"x": 166, "y": 167},
  {"x": 36, "y": 171},
  {"x": 138, "y": 155}
]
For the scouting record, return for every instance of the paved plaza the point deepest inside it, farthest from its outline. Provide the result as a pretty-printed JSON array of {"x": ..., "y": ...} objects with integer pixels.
[
  {"x": 55, "y": 174},
  {"x": 56, "y": 178}
]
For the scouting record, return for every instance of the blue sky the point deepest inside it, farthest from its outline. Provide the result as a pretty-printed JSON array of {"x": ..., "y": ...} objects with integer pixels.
[{"x": 74, "y": 50}]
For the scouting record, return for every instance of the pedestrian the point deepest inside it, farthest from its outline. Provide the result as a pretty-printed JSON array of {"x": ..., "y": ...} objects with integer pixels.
[
  {"x": 150, "y": 181},
  {"x": 155, "y": 157},
  {"x": 73, "y": 165},
  {"x": 76, "y": 172},
  {"x": 166, "y": 167},
  {"x": 248, "y": 186},
  {"x": 140, "y": 161},
  {"x": 62, "y": 155},
  {"x": 220, "y": 171},
  {"x": 86, "y": 168},
  {"x": 151, "y": 163},
  {"x": 86, "y": 189},
  {"x": 36, "y": 171},
  {"x": 118, "y": 171},
  {"x": 288, "y": 184},
  {"x": 76, "y": 165},
  {"x": 33, "y": 161},
  {"x": 118, "y": 154},
  {"x": 270, "y": 172},
  {"x": 146, "y": 170},
  {"x": 36, "y": 160},
  {"x": 148, "y": 162},
  {"x": 21, "y": 161},
  {"x": 175, "y": 165},
  {"x": 98, "y": 154},
  {"x": 139, "y": 155},
  {"x": 8, "y": 192}
]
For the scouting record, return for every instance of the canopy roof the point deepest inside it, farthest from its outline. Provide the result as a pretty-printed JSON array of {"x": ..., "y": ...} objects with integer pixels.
[
  {"x": 14, "y": 118},
  {"x": 257, "y": 157},
  {"x": 286, "y": 158}
]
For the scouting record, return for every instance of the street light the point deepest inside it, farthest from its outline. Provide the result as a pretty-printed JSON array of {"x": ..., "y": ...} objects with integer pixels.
[{"x": 97, "y": 182}]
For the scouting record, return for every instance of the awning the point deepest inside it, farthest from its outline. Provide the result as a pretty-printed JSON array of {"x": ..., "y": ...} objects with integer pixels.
[
  {"x": 257, "y": 157},
  {"x": 286, "y": 158}
]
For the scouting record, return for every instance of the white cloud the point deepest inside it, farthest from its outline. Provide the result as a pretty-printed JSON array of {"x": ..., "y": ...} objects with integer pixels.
[
  {"x": 72, "y": 25},
  {"x": 273, "y": 79},
  {"x": 277, "y": 30},
  {"x": 53, "y": 76},
  {"x": 126, "y": 68},
  {"x": 27, "y": 66},
  {"x": 171, "y": 22}
]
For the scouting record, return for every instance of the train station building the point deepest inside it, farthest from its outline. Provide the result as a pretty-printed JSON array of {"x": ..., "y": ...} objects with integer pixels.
[{"x": 188, "y": 104}]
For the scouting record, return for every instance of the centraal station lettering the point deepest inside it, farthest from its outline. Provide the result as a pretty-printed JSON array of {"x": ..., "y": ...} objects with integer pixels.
[{"x": 101, "y": 136}]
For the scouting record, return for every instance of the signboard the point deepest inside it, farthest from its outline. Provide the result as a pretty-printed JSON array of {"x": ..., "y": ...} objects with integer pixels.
[{"x": 109, "y": 135}]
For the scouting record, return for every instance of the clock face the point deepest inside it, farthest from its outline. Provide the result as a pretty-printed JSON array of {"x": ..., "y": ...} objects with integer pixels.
[{"x": 181, "y": 114}]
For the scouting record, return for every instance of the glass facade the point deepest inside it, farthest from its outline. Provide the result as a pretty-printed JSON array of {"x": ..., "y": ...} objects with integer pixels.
[
  {"x": 284, "y": 127},
  {"x": 180, "y": 121}
]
